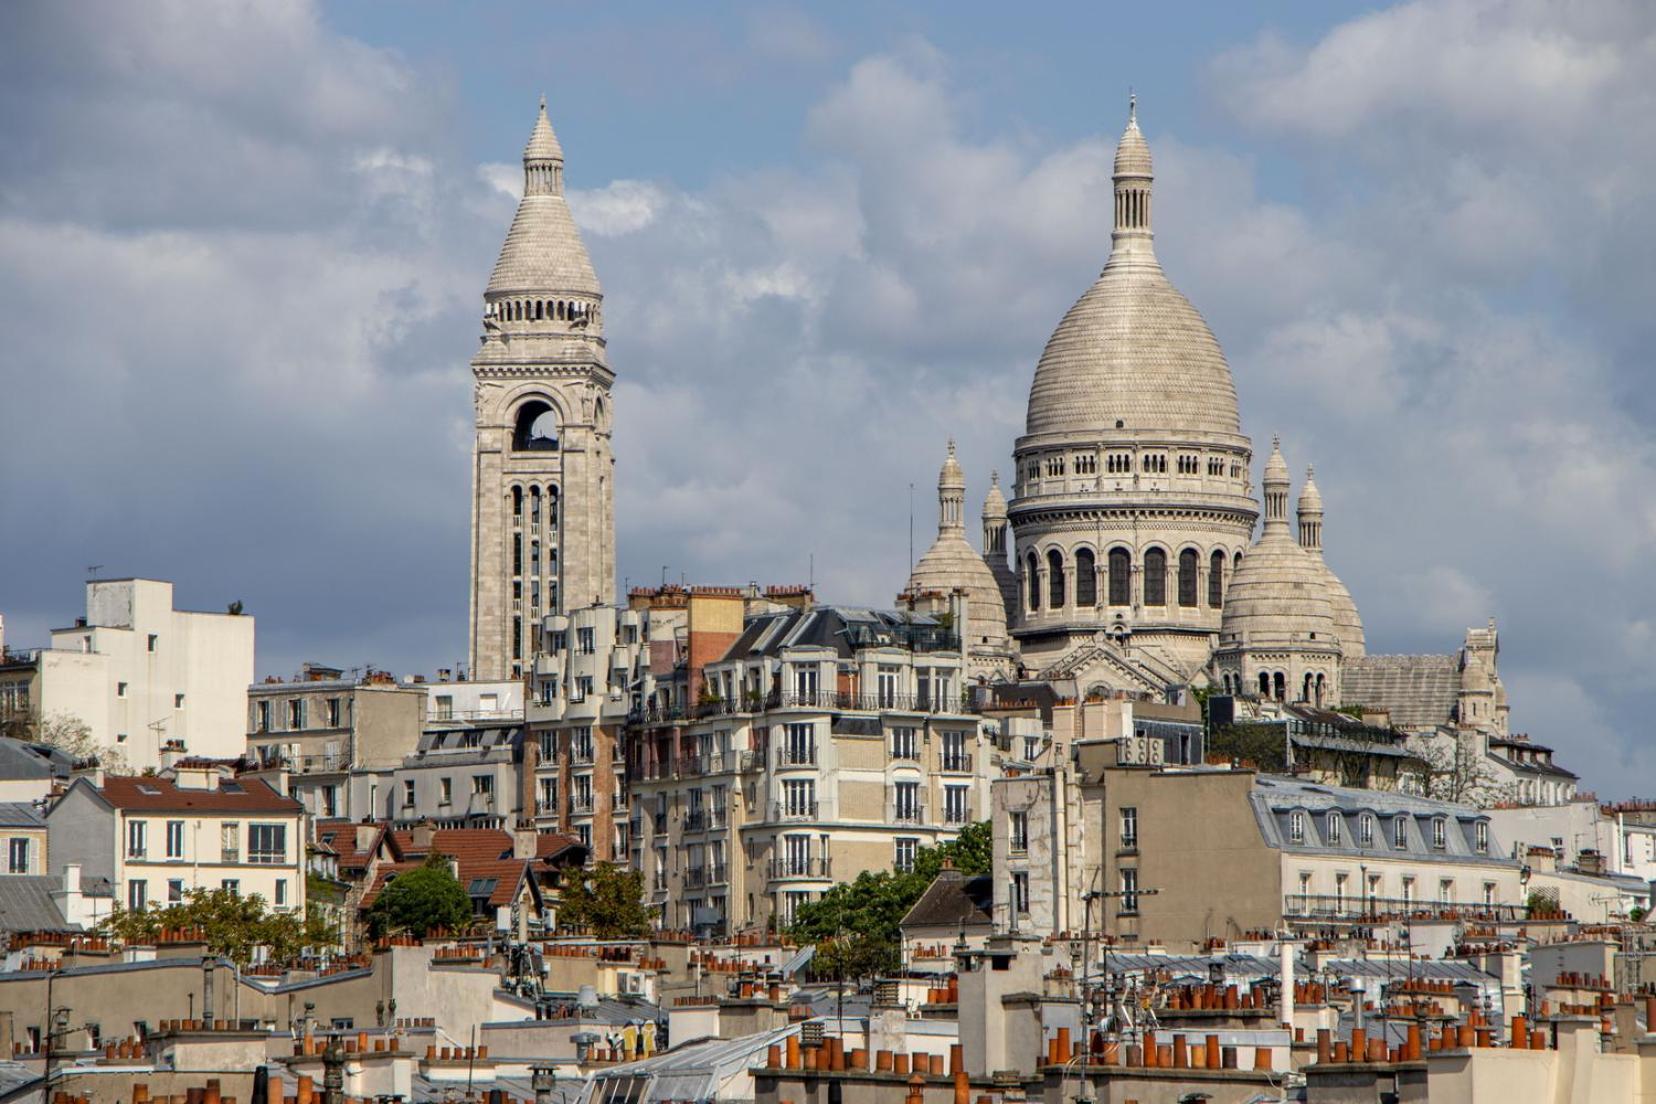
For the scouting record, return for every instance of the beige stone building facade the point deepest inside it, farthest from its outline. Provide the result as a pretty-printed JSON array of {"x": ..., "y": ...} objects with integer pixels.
[
  {"x": 156, "y": 838},
  {"x": 826, "y": 740}
]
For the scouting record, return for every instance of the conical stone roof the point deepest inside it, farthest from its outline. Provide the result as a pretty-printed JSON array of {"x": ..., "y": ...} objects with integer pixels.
[{"x": 543, "y": 253}]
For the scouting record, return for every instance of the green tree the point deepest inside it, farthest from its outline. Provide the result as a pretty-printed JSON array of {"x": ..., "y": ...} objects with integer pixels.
[
  {"x": 854, "y": 956},
  {"x": 606, "y": 901},
  {"x": 422, "y": 900},
  {"x": 233, "y": 926},
  {"x": 874, "y": 904}
]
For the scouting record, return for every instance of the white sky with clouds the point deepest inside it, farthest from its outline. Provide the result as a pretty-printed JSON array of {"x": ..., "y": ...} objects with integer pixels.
[{"x": 242, "y": 254}]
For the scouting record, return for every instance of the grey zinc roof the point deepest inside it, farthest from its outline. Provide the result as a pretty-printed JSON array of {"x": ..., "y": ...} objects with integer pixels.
[
  {"x": 688, "y": 1074},
  {"x": 21, "y": 759},
  {"x": 1419, "y": 691},
  {"x": 20, "y": 814},
  {"x": 1276, "y": 798},
  {"x": 26, "y": 904}
]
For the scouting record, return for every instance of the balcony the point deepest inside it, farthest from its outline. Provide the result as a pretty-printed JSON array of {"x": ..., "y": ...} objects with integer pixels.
[
  {"x": 580, "y": 756},
  {"x": 1353, "y": 908},
  {"x": 548, "y": 807},
  {"x": 717, "y": 874},
  {"x": 659, "y": 824},
  {"x": 787, "y": 869},
  {"x": 955, "y": 817},
  {"x": 695, "y": 821},
  {"x": 959, "y": 762},
  {"x": 905, "y": 813},
  {"x": 908, "y": 753},
  {"x": 580, "y": 803},
  {"x": 794, "y": 810},
  {"x": 695, "y": 877}
]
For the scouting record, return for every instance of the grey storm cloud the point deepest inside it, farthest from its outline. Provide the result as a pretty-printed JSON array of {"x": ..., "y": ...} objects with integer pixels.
[{"x": 241, "y": 261}]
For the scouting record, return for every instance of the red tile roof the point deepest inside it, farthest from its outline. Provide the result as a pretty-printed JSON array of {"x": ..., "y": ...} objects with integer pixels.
[
  {"x": 507, "y": 873},
  {"x": 341, "y": 835},
  {"x": 162, "y": 795},
  {"x": 465, "y": 844}
]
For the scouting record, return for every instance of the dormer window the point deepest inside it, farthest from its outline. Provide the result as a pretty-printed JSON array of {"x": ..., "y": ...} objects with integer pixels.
[
  {"x": 1336, "y": 828},
  {"x": 1296, "y": 827},
  {"x": 1440, "y": 834},
  {"x": 1481, "y": 832},
  {"x": 1365, "y": 830},
  {"x": 1400, "y": 832}
]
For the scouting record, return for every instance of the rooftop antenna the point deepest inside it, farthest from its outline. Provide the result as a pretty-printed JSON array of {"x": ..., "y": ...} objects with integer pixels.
[
  {"x": 92, "y": 571},
  {"x": 911, "y": 528},
  {"x": 811, "y": 576}
]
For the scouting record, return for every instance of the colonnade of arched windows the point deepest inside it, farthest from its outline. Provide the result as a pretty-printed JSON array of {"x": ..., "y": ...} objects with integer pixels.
[
  {"x": 1053, "y": 580},
  {"x": 1313, "y": 687},
  {"x": 543, "y": 310}
]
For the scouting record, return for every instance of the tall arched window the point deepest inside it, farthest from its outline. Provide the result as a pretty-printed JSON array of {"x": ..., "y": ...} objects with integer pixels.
[
  {"x": 1055, "y": 579},
  {"x": 1188, "y": 562},
  {"x": 1121, "y": 577},
  {"x": 1086, "y": 578},
  {"x": 1281, "y": 686},
  {"x": 517, "y": 501},
  {"x": 1264, "y": 684},
  {"x": 1216, "y": 579},
  {"x": 1155, "y": 577},
  {"x": 1032, "y": 579}
]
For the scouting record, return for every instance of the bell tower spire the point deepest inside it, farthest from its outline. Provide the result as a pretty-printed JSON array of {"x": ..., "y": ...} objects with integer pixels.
[{"x": 543, "y": 518}]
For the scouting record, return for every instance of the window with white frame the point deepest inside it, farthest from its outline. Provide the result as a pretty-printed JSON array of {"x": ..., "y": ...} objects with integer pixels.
[
  {"x": 267, "y": 843},
  {"x": 1018, "y": 831},
  {"x": 800, "y": 748},
  {"x": 1365, "y": 830},
  {"x": 799, "y": 797},
  {"x": 1481, "y": 832},
  {"x": 956, "y": 804},
  {"x": 1129, "y": 889},
  {"x": 137, "y": 839},
  {"x": 1336, "y": 829},
  {"x": 905, "y": 802},
  {"x": 905, "y": 743},
  {"x": 1129, "y": 826},
  {"x": 175, "y": 839},
  {"x": 907, "y": 848},
  {"x": 137, "y": 894},
  {"x": 1440, "y": 833},
  {"x": 1400, "y": 832},
  {"x": 1296, "y": 827},
  {"x": 18, "y": 855}
]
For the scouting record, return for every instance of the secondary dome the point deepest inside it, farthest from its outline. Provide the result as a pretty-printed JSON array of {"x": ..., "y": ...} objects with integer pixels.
[
  {"x": 1132, "y": 350},
  {"x": 951, "y": 563},
  {"x": 1279, "y": 592}
]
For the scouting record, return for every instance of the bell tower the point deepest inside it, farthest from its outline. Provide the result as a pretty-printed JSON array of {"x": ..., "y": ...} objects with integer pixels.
[{"x": 543, "y": 518}]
